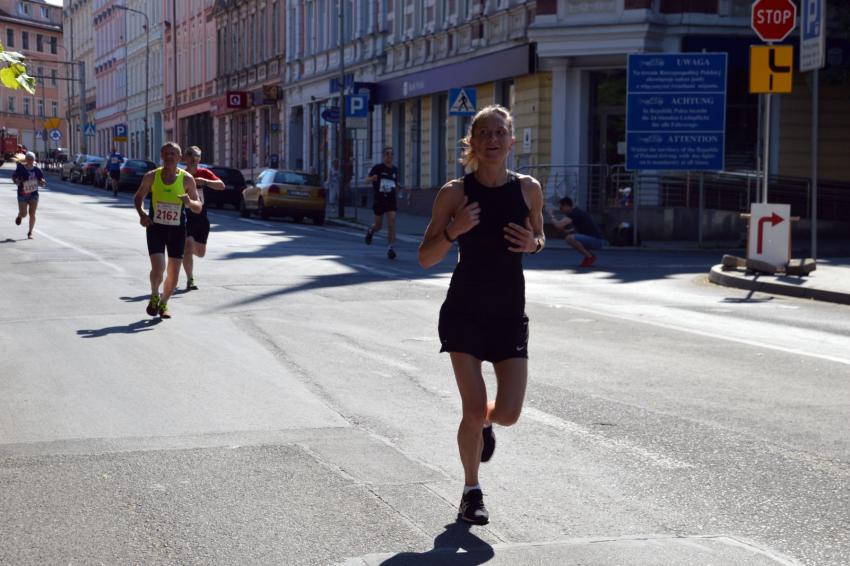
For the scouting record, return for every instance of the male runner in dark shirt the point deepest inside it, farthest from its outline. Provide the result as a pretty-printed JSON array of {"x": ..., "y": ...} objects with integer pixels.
[{"x": 384, "y": 179}]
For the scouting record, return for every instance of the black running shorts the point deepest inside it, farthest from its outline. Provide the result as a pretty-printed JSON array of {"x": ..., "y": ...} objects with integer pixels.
[
  {"x": 172, "y": 238},
  {"x": 198, "y": 226},
  {"x": 487, "y": 338},
  {"x": 384, "y": 202},
  {"x": 114, "y": 174}
]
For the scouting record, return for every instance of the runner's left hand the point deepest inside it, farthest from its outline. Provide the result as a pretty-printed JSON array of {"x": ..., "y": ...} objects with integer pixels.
[{"x": 521, "y": 237}]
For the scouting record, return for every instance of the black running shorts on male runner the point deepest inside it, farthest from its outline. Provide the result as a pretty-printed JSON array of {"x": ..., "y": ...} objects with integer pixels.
[
  {"x": 384, "y": 202},
  {"x": 198, "y": 226},
  {"x": 487, "y": 338},
  {"x": 172, "y": 238}
]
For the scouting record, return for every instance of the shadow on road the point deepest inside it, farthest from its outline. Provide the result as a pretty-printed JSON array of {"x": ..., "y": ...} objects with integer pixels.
[
  {"x": 134, "y": 328},
  {"x": 457, "y": 536},
  {"x": 8, "y": 241}
]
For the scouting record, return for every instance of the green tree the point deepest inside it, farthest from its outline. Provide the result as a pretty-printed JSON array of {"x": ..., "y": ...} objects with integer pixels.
[{"x": 13, "y": 71}]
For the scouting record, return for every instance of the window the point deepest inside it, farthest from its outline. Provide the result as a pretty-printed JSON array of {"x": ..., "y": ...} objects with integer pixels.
[
  {"x": 53, "y": 46},
  {"x": 39, "y": 42},
  {"x": 11, "y": 106},
  {"x": 27, "y": 106},
  {"x": 10, "y": 37},
  {"x": 274, "y": 31},
  {"x": 53, "y": 76},
  {"x": 25, "y": 40},
  {"x": 40, "y": 75},
  {"x": 264, "y": 51},
  {"x": 41, "y": 108},
  {"x": 24, "y": 8},
  {"x": 45, "y": 12},
  {"x": 54, "y": 109}
]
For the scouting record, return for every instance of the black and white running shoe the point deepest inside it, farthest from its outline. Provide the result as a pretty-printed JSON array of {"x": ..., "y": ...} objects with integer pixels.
[
  {"x": 489, "y": 443},
  {"x": 369, "y": 235},
  {"x": 472, "y": 508}
]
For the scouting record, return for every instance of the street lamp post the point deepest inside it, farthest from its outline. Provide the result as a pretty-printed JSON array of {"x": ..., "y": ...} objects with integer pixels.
[{"x": 147, "y": 68}]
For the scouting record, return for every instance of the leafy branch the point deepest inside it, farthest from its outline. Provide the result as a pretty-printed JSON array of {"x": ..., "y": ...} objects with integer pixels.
[{"x": 13, "y": 71}]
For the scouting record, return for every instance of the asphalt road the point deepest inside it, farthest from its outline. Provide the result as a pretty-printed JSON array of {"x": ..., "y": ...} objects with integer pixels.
[{"x": 296, "y": 410}]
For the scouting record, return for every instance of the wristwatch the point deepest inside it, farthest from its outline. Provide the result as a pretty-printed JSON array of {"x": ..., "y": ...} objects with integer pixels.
[{"x": 539, "y": 246}]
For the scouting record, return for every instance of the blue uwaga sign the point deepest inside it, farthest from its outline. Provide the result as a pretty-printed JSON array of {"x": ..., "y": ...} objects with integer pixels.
[{"x": 676, "y": 111}]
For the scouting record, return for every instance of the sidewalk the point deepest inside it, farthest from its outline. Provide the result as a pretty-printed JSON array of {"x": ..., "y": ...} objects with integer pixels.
[{"x": 830, "y": 282}]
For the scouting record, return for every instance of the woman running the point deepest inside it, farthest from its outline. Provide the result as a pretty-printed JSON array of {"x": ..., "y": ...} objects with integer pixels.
[
  {"x": 29, "y": 178},
  {"x": 495, "y": 215}
]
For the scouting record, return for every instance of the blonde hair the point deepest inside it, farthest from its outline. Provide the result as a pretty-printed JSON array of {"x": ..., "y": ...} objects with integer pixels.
[
  {"x": 193, "y": 149},
  {"x": 467, "y": 157},
  {"x": 168, "y": 144}
]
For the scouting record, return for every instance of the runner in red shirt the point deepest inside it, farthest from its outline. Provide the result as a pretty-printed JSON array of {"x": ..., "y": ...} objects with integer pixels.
[{"x": 197, "y": 225}]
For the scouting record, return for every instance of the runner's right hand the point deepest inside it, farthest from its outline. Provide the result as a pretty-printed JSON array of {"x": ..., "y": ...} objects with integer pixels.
[{"x": 465, "y": 217}]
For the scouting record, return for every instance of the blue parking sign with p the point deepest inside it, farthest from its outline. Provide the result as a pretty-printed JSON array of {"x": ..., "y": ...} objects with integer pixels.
[
  {"x": 357, "y": 105},
  {"x": 119, "y": 132}
]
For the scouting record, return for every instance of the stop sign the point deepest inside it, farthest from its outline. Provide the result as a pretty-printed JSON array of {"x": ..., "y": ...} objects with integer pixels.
[{"x": 773, "y": 20}]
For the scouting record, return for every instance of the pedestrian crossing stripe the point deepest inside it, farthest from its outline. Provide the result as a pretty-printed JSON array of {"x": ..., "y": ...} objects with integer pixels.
[{"x": 462, "y": 102}]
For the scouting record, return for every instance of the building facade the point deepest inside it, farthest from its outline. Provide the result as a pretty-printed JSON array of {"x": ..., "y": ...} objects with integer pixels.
[
  {"x": 249, "y": 105},
  {"x": 79, "y": 51},
  {"x": 187, "y": 116},
  {"x": 110, "y": 71},
  {"x": 144, "y": 83},
  {"x": 406, "y": 56},
  {"x": 34, "y": 28},
  {"x": 584, "y": 45}
]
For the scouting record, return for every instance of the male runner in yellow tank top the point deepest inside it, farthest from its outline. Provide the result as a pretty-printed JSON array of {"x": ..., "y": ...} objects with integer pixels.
[{"x": 172, "y": 190}]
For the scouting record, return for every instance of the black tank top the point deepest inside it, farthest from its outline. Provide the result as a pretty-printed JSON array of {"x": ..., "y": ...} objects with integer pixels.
[{"x": 488, "y": 279}]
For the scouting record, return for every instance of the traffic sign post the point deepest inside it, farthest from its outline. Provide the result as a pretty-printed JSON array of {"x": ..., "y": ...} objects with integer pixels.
[
  {"x": 770, "y": 233},
  {"x": 812, "y": 58},
  {"x": 119, "y": 133},
  {"x": 676, "y": 111},
  {"x": 772, "y": 20},
  {"x": 771, "y": 68}
]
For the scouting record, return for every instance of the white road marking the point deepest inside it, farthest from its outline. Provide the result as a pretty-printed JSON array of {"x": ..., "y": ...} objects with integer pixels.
[
  {"x": 713, "y": 335},
  {"x": 118, "y": 269},
  {"x": 393, "y": 274},
  {"x": 616, "y": 444}
]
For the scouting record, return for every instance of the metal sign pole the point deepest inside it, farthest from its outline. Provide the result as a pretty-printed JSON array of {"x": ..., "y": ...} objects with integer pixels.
[
  {"x": 815, "y": 109},
  {"x": 766, "y": 158}
]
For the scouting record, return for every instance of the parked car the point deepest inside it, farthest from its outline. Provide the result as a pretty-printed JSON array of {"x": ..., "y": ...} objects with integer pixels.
[
  {"x": 65, "y": 171},
  {"x": 285, "y": 193},
  {"x": 84, "y": 172},
  {"x": 234, "y": 185},
  {"x": 132, "y": 172}
]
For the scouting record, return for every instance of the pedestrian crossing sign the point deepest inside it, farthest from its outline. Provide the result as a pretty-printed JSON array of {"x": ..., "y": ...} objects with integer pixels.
[{"x": 462, "y": 101}]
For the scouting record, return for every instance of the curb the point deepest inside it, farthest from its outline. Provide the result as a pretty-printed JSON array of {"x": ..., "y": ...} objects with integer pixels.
[{"x": 737, "y": 280}]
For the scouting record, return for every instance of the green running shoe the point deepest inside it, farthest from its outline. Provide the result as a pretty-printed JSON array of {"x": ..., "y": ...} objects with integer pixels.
[
  {"x": 163, "y": 311},
  {"x": 153, "y": 305}
]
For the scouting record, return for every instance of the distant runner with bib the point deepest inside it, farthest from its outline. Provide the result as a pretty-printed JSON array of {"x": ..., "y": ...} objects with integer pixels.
[
  {"x": 172, "y": 191},
  {"x": 384, "y": 179},
  {"x": 29, "y": 178},
  {"x": 113, "y": 167}
]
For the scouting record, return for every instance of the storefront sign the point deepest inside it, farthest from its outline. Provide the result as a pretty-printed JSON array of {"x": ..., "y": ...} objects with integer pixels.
[
  {"x": 676, "y": 111},
  {"x": 506, "y": 64}
]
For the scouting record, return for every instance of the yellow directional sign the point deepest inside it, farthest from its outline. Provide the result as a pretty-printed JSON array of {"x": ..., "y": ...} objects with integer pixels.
[
  {"x": 52, "y": 123},
  {"x": 771, "y": 68}
]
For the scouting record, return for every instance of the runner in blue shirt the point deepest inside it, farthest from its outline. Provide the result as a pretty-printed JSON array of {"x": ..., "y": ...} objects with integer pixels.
[
  {"x": 28, "y": 178},
  {"x": 113, "y": 166}
]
